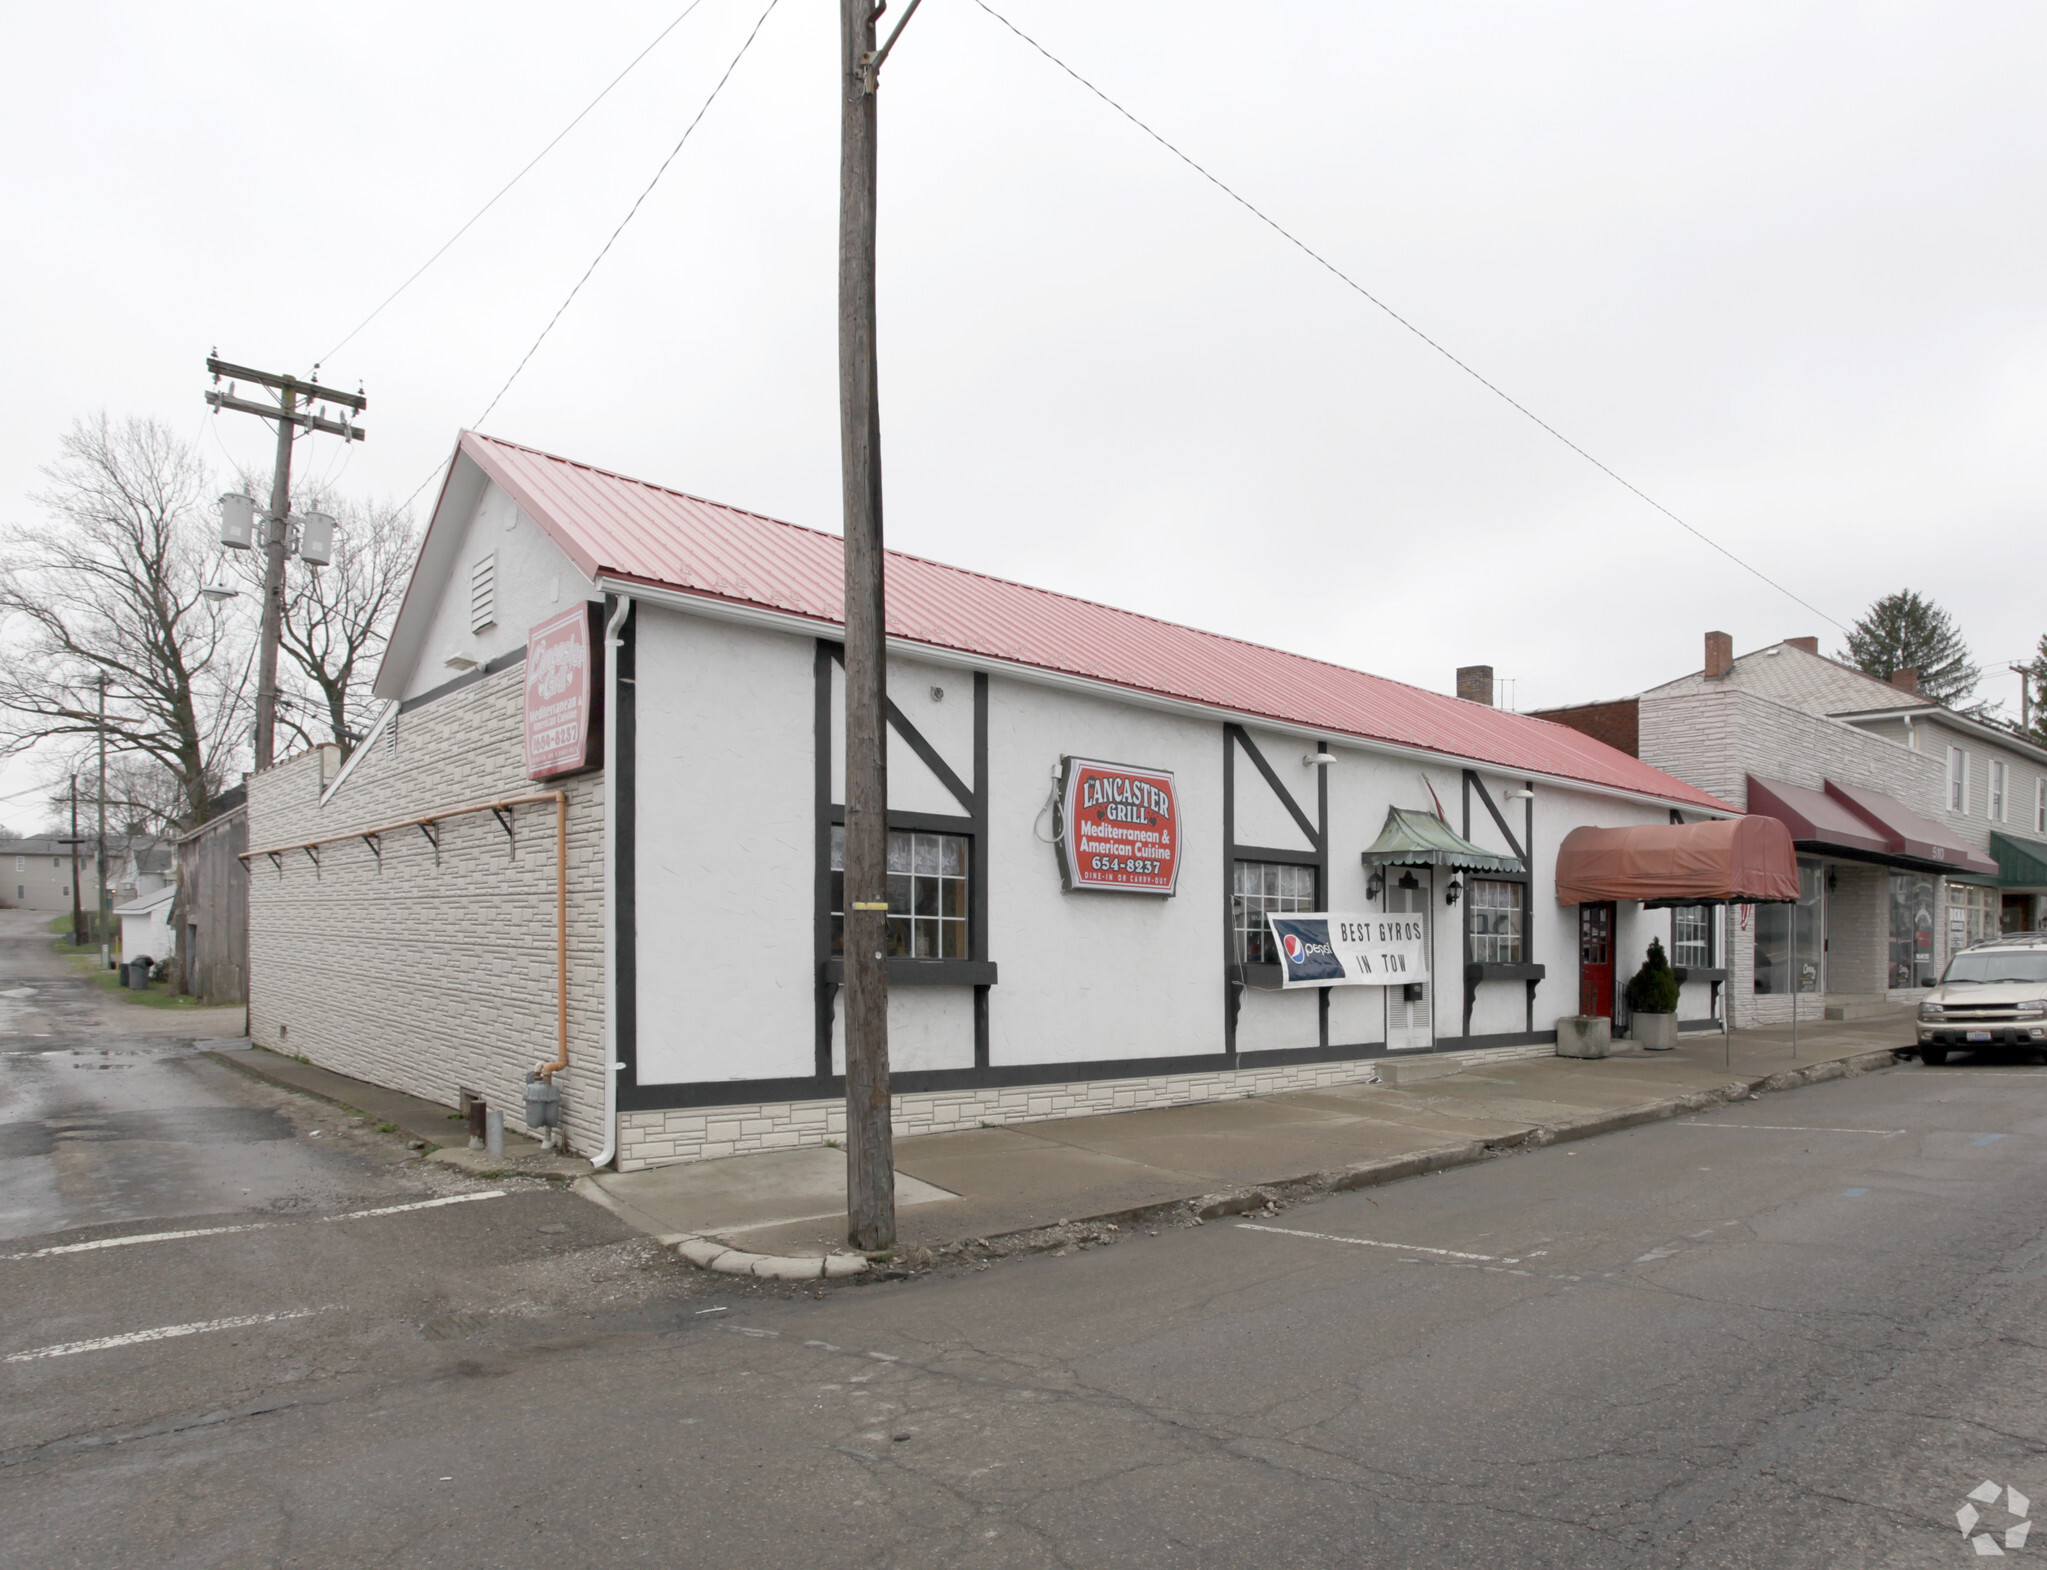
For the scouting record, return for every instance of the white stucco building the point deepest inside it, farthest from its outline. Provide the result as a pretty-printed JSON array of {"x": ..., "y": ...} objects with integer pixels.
[{"x": 407, "y": 910}]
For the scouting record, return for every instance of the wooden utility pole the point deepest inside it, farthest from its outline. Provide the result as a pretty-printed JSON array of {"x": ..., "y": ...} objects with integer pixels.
[
  {"x": 99, "y": 909},
  {"x": 274, "y": 538},
  {"x": 77, "y": 894},
  {"x": 870, "y": 1138}
]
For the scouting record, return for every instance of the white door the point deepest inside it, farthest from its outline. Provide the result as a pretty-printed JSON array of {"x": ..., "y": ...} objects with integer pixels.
[{"x": 1410, "y": 1006}]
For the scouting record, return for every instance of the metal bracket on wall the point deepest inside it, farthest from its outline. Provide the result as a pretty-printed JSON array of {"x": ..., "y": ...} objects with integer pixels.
[
  {"x": 504, "y": 817},
  {"x": 432, "y": 831},
  {"x": 276, "y": 860},
  {"x": 376, "y": 845},
  {"x": 312, "y": 855}
]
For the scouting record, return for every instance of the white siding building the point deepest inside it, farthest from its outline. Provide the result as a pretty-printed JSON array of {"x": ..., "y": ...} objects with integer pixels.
[{"x": 403, "y": 907}]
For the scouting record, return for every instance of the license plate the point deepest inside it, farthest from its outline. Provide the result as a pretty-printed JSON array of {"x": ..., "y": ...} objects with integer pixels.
[{"x": 1979, "y": 1035}]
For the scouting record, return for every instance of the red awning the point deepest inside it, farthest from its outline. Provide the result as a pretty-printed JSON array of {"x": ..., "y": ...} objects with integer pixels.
[
  {"x": 1725, "y": 860},
  {"x": 1865, "y": 824}
]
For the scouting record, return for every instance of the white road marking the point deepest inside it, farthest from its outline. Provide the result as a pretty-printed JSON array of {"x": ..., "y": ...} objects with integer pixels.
[
  {"x": 1786, "y": 1128},
  {"x": 160, "y": 1333},
  {"x": 422, "y": 1204},
  {"x": 248, "y": 1226},
  {"x": 1366, "y": 1242}
]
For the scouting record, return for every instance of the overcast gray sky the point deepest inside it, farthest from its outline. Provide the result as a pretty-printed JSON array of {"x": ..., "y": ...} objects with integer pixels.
[{"x": 1780, "y": 264}]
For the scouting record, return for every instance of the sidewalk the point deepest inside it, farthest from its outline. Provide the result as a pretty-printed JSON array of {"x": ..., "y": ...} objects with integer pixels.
[{"x": 981, "y": 1186}]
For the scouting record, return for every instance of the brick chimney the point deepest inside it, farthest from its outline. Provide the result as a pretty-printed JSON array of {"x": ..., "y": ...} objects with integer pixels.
[
  {"x": 1719, "y": 655},
  {"x": 1810, "y": 645},
  {"x": 1475, "y": 684},
  {"x": 1906, "y": 681}
]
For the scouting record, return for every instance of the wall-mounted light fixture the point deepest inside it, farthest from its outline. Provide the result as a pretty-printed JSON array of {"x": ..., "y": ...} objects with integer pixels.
[
  {"x": 1375, "y": 885},
  {"x": 459, "y": 662},
  {"x": 1318, "y": 760},
  {"x": 1450, "y": 895},
  {"x": 1520, "y": 795}
]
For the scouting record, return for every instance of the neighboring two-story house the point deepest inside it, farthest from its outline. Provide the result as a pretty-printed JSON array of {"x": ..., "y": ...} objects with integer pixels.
[{"x": 1919, "y": 829}]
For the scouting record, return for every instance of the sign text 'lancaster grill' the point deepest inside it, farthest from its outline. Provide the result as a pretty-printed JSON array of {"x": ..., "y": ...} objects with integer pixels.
[
  {"x": 564, "y": 710},
  {"x": 1119, "y": 828}
]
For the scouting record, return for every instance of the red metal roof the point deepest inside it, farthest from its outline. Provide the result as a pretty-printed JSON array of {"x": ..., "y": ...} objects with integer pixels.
[{"x": 627, "y": 529}]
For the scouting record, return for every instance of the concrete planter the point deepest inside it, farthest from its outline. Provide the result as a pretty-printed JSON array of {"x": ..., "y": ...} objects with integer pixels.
[
  {"x": 1654, "y": 1032},
  {"x": 1584, "y": 1036}
]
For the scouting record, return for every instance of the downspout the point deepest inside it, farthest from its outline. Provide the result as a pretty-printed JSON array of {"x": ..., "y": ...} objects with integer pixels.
[
  {"x": 612, "y": 627},
  {"x": 547, "y": 1071}
]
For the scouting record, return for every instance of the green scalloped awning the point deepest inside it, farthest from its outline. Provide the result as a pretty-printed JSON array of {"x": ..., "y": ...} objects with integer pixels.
[
  {"x": 1413, "y": 838},
  {"x": 2021, "y": 864}
]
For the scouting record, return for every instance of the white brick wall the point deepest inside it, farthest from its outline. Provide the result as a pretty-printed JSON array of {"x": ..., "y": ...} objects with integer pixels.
[
  {"x": 649, "y": 1139},
  {"x": 423, "y": 977}
]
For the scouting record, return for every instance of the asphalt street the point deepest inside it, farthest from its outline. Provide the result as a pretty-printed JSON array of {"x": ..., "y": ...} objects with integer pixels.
[{"x": 1796, "y": 1331}]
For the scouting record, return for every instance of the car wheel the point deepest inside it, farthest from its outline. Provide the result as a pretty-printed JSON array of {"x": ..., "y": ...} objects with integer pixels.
[{"x": 1933, "y": 1057}]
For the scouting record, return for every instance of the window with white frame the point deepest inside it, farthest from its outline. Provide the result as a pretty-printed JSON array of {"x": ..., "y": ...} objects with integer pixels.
[
  {"x": 1496, "y": 915},
  {"x": 1691, "y": 936},
  {"x": 2040, "y": 806},
  {"x": 1998, "y": 777},
  {"x": 1957, "y": 780},
  {"x": 1262, "y": 888},
  {"x": 483, "y": 592},
  {"x": 927, "y": 894}
]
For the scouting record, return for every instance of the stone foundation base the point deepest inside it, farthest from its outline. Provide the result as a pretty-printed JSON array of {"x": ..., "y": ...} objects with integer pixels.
[{"x": 651, "y": 1139}]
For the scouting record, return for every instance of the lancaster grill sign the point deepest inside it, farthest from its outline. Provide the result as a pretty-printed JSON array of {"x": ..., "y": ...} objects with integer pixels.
[
  {"x": 1119, "y": 828},
  {"x": 564, "y": 712}
]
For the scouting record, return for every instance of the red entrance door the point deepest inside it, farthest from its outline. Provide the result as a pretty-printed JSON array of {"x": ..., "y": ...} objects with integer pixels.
[{"x": 1595, "y": 959}]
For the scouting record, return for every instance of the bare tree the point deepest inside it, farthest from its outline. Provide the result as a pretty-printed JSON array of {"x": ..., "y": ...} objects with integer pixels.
[
  {"x": 337, "y": 618},
  {"x": 106, "y": 590}
]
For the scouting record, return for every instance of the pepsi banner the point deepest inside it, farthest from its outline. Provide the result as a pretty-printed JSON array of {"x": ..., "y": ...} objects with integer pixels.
[
  {"x": 1342, "y": 949},
  {"x": 1119, "y": 828}
]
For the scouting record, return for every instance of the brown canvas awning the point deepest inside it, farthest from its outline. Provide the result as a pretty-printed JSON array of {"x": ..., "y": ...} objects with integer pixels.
[
  {"x": 1864, "y": 824},
  {"x": 1722, "y": 861}
]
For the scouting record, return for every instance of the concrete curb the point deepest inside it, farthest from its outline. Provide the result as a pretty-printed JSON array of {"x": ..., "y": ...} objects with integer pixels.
[
  {"x": 1370, "y": 1174},
  {"x": 709, "y": 1254}
]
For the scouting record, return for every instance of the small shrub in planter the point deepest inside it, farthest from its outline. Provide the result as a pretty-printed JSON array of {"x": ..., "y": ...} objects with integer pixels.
[{"x": 1652, "y": 1001}]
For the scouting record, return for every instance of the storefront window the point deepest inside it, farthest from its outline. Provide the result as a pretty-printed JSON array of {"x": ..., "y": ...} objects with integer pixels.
[
  {"x": 927, "y": 894},
  {"x": 1263, "y": 888},
  {"x": 1691, "y": 937},
  {"x": 1774, "y": 938},
  {"x": 1972, "y": 915},
  {"x": 1912, "y": 908},
  {"x": 1496, "y": 921}
]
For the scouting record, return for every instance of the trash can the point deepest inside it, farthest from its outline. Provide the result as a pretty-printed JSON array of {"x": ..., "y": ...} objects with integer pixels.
[{"x": 135, "y": 973}]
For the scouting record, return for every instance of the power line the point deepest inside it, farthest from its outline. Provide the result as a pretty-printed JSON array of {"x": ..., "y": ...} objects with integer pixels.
[
  {"x": 487, "y": 206},
  {"x": 638, "y": 201},
  {"x": 1316, "y": 256}
]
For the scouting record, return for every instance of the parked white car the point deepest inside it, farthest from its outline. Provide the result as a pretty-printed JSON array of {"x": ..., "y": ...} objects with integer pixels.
[{"x": 1992, "y": 994}]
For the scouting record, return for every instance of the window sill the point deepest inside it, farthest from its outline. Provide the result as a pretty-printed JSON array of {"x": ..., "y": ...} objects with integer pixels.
[
  {"x": 925, "y": 972},
  {"x": 1476, "y": 971},
  {"x": 1698, "y": 973}
]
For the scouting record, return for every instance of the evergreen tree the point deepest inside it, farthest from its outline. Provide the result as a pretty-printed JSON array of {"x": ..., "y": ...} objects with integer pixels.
[
  {"x": 2036, "y": 682},
  {"x": 1903, "y": 632}
]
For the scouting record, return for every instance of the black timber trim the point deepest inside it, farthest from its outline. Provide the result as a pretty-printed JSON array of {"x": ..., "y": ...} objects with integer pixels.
[
  {"x": 1233, "y": 968},
  {"x": 977, "y": 970},
  {"x": 489, "y": 667},
  {"x": 1473, "y": 781},
  {"x": 625, "y": 854},
  {"x": 1297, "y": 858},
  {"x": 733, "y": 1092},
  {"x": 924, "y": 750},
  {"x": 978, "y": 862},
  {"x": 826, "y": 994},
  {"x": 924, "y": 972},
  {"x": 1322, "y": 875},
  {"x": 1314, "y": 834}
]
